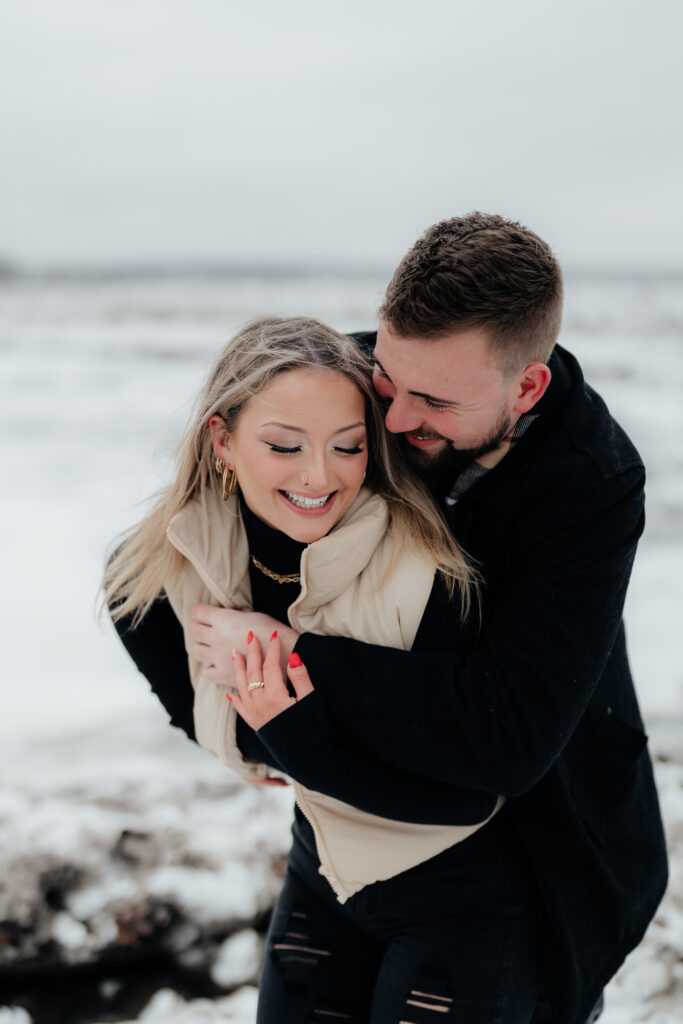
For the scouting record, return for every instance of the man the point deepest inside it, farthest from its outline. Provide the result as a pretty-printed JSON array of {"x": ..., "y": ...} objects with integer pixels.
[{"x": 545, "y": 491}]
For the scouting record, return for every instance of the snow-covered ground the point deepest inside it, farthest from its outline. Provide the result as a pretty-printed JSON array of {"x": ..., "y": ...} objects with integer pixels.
[{"x": 138, "y": 833}]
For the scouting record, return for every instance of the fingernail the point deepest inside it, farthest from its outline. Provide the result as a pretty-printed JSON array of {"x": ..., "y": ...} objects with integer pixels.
[
  {"x": 228, "y": 697},
  {"x": 274, "y": 635},
  {"x": 234, "y": 654},
  {"x": 294, "y": 660},
  {"x": 250, "y": 636}
]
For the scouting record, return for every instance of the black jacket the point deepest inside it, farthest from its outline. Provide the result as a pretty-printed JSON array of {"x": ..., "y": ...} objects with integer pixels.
[
  {"x": 535, "y": 702},
  {"x": 538, "y": 702}
]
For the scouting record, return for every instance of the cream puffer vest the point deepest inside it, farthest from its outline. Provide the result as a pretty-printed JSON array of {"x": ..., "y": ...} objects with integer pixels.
[{"x": 353, "y": 583}]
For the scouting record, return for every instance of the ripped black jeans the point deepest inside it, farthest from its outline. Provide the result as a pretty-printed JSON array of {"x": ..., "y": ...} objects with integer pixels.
[{"x": 452, "y": 939}]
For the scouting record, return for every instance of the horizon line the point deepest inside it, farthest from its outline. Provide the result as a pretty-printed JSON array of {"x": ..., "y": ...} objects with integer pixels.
[{"x": 150, "y": 269}]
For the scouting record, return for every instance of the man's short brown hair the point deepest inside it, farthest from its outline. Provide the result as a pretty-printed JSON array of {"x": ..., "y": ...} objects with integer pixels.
[{"x": 480, "y": 270}]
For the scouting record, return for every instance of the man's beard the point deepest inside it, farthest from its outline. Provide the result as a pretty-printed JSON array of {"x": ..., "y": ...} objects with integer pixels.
[{"x": 440, "y": 471}]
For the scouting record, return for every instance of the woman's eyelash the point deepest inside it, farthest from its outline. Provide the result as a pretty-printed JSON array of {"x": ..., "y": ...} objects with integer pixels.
[
  {"x": 351, "y": 451},
  {"x": 283, "y": 451}
]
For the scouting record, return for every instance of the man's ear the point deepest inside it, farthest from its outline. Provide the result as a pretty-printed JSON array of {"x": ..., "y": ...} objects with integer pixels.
[
  {"x": 530, "y": 386},
  {"x": 220, "y": 438}
]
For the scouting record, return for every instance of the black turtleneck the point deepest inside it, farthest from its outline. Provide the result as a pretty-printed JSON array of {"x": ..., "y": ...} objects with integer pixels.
[{"x": 282, "y": 555}]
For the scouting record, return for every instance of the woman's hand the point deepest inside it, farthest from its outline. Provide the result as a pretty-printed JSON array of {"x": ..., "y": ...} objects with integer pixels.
[
  {"x": 216, "y": 632},
  {"x": 260, "y": 704}
]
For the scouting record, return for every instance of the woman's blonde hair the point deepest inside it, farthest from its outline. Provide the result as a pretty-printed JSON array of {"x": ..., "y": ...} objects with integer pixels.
[{"x": 145, "y": 558}]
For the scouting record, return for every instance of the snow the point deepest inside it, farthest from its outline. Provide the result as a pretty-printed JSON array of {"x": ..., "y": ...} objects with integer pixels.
[
  {"x": 238, "y": 958},
  {"x": 167, "y": 1007},
  {"x": 124, "y": 837},
  {"x": 13, "y": 1015},
  {"x": 144, "y": 837}
]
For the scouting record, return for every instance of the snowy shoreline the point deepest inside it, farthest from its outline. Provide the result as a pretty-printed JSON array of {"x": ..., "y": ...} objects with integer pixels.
[
  {"x": 154, "y": 854},
  {"x": 157, "y": 851}
]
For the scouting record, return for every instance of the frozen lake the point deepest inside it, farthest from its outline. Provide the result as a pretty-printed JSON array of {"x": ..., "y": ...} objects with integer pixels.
[{"x": 95, "y": 384}]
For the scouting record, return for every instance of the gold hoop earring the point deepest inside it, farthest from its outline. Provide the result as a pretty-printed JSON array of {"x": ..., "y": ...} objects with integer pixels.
[{"x": 229, "y": 486}]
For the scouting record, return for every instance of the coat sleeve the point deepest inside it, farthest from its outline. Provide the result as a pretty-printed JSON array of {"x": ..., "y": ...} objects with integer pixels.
[
  {"x": 157, "y": 647},
  {"x": 497, "y": 718},
  {"x": 305, "y": 742}
]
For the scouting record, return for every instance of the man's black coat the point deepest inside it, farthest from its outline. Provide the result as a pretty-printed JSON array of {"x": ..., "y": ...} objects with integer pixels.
[
  {"x": 538, "y": 704},
  {"x": 534, "y": 701}
]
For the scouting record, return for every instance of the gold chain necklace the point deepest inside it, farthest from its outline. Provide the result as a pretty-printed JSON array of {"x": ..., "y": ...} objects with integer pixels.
[{"x": 292, "y": 577}]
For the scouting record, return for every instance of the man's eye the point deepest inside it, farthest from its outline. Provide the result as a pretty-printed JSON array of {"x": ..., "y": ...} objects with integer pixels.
[
  {"x": 379, "y": 371},
  {"x": 434, "y": 405},
  {"x": 283, "y": 451}
]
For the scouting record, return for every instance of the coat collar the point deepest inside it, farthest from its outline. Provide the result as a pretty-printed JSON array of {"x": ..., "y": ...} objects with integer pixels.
[{"x": 211, "y": 535}]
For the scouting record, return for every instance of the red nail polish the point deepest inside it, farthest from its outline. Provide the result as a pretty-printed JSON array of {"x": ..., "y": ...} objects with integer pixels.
[
  {"x": 274, "y": 635},
  {"x": 228, "y": 697},
  {"x": 250, "y": 636},
  {"x": 294, "y": 660}
]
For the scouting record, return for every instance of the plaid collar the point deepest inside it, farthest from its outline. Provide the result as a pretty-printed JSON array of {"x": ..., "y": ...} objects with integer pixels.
[{"x": 475, "y": 471}]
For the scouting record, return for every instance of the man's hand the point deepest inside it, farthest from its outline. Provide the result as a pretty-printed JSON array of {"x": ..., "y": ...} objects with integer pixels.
[{"x": 216, "y": 632}]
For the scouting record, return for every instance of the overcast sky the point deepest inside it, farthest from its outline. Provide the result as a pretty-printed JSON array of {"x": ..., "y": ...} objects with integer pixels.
[{"x": 209, "y": 129}]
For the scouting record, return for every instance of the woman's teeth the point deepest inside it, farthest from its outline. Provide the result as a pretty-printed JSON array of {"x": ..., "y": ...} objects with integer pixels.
[{"x": 301, "y": 502}]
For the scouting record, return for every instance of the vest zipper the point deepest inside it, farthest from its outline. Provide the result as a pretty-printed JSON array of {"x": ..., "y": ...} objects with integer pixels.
[{"x": 334, "y": 882}]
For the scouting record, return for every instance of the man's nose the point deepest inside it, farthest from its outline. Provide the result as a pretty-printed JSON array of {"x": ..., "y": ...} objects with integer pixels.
[{"x": 400, "y": 418}]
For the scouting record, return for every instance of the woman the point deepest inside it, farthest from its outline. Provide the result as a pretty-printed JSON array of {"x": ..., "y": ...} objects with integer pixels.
[{"x": 289, "y": 417}]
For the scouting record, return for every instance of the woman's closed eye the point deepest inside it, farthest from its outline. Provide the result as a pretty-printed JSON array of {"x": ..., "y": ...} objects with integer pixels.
[
  {"x": 356, "y": 450},
  {"x": 281, "y": 450}
]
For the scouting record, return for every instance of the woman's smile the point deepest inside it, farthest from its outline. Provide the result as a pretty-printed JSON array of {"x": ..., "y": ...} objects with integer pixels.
[{"x": 305, "y": 504}]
